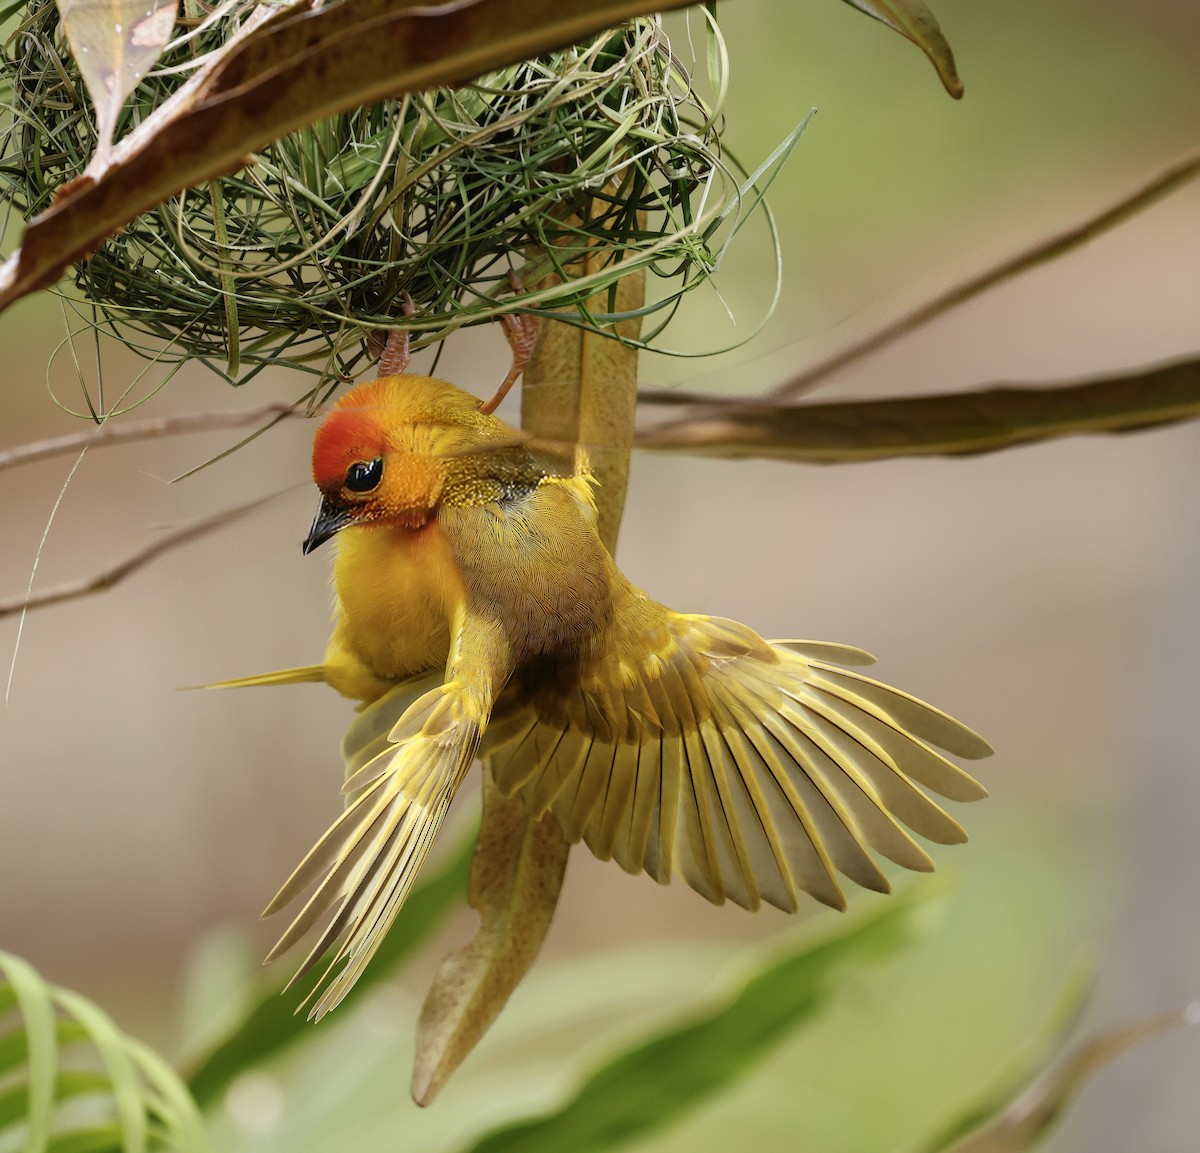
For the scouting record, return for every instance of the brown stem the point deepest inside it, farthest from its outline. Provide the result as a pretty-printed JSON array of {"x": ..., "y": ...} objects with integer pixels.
[
  {"x": 953, "y": 424},
  {"x": 1151, "y": 189},
  {"x": 101, "y": 581},
  {"x": 126, "y": 432}
]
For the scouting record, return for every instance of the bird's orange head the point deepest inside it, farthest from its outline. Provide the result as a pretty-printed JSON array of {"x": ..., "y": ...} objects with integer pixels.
[{"x": 392, "y": 450}]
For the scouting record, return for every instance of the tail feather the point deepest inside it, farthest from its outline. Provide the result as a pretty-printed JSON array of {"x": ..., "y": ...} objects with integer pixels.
[{"x": 305, "y": 674}]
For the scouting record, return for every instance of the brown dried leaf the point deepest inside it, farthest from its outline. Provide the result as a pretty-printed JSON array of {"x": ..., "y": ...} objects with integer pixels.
[
  {"x": 955, "y": 424},
  {"x": 914, "y": 21},
  {"x": 115, "y": 43},
  {"x": 515, "y": 881},
  {"x": 1027, "y": 1119},
  {"x": 295, "y": 67},
  {"x": 581, "y": 388}
]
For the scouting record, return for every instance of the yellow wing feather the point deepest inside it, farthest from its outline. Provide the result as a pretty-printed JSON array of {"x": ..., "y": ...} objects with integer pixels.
[
  {"x": 403, "y": 776},
  {"x": 753, "y": 770}
]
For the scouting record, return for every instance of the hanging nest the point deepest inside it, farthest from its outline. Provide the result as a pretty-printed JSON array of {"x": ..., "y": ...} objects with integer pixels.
[{"x": 304, "y": 256}]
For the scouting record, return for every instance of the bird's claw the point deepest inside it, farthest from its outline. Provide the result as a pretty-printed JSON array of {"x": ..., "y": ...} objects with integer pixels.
[
  {"x": 521, "y": 329},
  {"x": 396, "y": 355}
]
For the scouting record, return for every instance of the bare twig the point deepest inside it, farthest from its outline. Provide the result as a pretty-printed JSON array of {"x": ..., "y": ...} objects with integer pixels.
[
  {"x": 127, "y": 432},
  {"x": 1171, "y": 176},
  {"x": 949, "y": 425},
  {"x": 112, "y": 576}
]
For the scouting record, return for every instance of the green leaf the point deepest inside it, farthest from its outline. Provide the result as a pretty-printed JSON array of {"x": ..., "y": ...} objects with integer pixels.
[
  {"x": 14, "y": 1046},
  {"x": 181, "y": 1116},
  {"x": 219, "y": 986},
  {"x": 115, "y": 43},
  {"x": 11, "y": 9},
  {"x": 33, "y": 999},
  {"x": 68, "y": 1085},
  {"x": 958, "y": 423},
  {"x": 272, "y": 1024},
  {"x": 914, "y": 21},
  {"x": 146, "y": 1097},
  {"x": 127, "y": 1088},
  {"x": 346, "y": 1088},
  {"x": 659, "y": 1079},
  {"x": 102, "y": 1139}
]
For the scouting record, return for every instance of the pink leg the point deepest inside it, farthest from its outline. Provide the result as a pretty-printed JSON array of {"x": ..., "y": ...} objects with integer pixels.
[
  {"x": 521, "y": 329},
  {"x": 396, "y": 356}
]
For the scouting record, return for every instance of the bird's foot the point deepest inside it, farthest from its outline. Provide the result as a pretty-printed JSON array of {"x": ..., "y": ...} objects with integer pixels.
[
  {"x": 521, "y": 330},
  {"x": 396, "y": 355}
]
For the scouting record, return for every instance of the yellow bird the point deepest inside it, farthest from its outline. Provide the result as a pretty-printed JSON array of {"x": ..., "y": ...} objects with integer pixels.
[{"x": 474, "y": 591}]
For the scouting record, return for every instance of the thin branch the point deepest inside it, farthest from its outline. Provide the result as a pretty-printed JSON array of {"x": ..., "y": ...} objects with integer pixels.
[
  {"x": 127, "y": 432},
  {"x": 988, "y": 420},
  {"x": 112, "y": 576},
  {"x": 1174, "y": 174}
]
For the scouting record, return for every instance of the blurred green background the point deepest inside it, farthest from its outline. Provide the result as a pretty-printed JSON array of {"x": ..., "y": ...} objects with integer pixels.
[{"x": 1044, "y": 595}]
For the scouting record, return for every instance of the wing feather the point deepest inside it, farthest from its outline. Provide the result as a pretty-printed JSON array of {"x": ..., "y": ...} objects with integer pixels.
[
  {"x": 735, "y": 819},
  {"x": 799, "y": 841},
  {"x": 905, "y": 711},
  {"x": 332, "y": 847},
  {"x": 808, "y": 773},
  {"x": 923, "y": 764},
  {"x": 343, "y": 846},
  {"x": 519, "y": 745},
  {"x": 604, "y": 837},
  {"x": 561, "y": 762},
  {"x": 666, "y": 808},
  {"x": 644, "y": 813},
  {"x": 375, "y": 908},
  {"x": 769, "y": 858},
  {"x": 367, "y": 735},
  {"x": 844, "y": 770},
  {"x": 753, "y": 770},
  {"x": 696, "y": 851},
  {"x": 369, "y": 857},
  {"x": 869, "y": 757},
  {"x": 595, "y": 772},
  {"x": 349, "y": 887}
]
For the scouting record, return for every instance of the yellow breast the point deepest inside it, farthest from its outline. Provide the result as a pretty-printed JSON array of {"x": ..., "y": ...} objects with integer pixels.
[{"x": 397, "y": 591}]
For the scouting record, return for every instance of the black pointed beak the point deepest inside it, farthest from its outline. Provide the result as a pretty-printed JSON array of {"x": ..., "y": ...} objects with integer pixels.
[{"x": 330, "y": 520}]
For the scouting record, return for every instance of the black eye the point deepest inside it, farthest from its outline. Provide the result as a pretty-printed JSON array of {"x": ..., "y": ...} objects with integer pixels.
[{"x": 364, "y": 475}]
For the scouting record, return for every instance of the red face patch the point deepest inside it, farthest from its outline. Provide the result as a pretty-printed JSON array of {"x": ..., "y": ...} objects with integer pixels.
[{"x": 350, "y": 433}]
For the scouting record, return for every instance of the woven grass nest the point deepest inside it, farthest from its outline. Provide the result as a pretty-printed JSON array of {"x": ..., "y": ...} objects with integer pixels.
[{"x": 304, "y": 256}]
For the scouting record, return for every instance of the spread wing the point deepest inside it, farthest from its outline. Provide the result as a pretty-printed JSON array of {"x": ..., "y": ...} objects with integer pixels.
[
  {"x": 402, "y": 777},
  {"x": 752, "y": 769}
]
